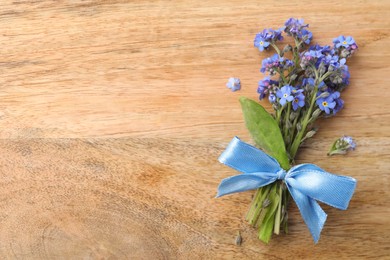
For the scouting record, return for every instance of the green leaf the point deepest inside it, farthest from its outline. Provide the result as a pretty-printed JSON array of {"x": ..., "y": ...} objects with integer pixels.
[{"x": 265, "y": 131}]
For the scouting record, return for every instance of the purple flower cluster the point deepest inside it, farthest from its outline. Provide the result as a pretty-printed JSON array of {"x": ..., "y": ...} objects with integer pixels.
[
  {"x": 299, "y": 101},
  {"x": 345, "y": 46},
  {"x": 266, "y": 86},
  {"x": 266, "y": 37},
  {"x": 321, "y": 54},
  {"x": 323, "y": 63},
  {"x": 297, "y": 29},
  {"x": 331, "y": 103},
  {"x": 325, "y": 50},
  {"x": 290, "y": 94},
  {"x": 311, "y": 82},
  {"x": 340, "y": 79},
  {"x": 326, "y": 59},
  {"x": 311, "y": 58},
  {"x": 272, "y": 64}
]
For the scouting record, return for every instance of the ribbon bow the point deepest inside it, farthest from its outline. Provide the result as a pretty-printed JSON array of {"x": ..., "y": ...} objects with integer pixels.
[{"x": 305, "y": 182}]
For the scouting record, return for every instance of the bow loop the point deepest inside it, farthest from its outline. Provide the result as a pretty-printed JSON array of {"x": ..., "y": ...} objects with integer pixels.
[
  {"x": 255, "y": 160},
  {"x": 305, "y": 182},
  {"x": 314, "y": 182}
]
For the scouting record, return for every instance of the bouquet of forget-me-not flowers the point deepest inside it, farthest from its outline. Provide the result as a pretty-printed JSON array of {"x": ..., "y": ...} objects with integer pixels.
[{"x": 305, "y": 83}]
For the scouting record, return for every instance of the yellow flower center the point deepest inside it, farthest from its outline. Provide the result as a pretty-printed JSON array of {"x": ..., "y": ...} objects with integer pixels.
[
  {"x": 261, "y": 43},
  {"x": 285, "y": 95},
  {"x": 325, "y": 104},
  {"x": 344, "y": 42},
  {"x": 296, "y": 100}
]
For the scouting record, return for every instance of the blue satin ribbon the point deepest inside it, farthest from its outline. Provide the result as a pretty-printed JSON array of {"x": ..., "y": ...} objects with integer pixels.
[{"x": 305, "y": 182}]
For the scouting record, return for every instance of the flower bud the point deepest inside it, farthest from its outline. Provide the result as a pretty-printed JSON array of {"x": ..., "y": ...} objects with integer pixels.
[
  {"x": 238, "y": 239},
  {"x": 316, "y": 113},
  {"x": 299, "y": 126},
  {"x": 323, "y": 95},
  {"x": 342, "y": 146},
  {"x": 288, "y": 124},
  {"x": 321, "y": 68},
  {"x": 287, "y": 48},
  {"x": 293, "y": 115},
  {"x": 272, "y": 98},
  {"x": 266, "y": 203},
  {"x": 310, "y": 134},
  {"x": 293, "y": 77}
]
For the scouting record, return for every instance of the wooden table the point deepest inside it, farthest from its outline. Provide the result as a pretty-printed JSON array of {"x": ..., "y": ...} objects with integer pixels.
[{"x": 113, "y": 114}]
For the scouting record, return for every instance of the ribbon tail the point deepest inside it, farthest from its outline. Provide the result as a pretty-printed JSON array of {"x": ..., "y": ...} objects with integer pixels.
[
  {"x": 244, "y": 182},
  {"x": 311, "y": 212}
]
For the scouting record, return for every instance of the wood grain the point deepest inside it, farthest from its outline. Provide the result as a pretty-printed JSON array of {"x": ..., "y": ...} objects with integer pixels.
[{"x": 113, "y": 114}]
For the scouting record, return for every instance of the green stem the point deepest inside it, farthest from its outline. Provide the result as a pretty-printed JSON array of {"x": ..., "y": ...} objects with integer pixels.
[
  {"x": 296, "y": 52},
  {"x": 278, "y": 212},
  {"x": 286, "y": 118},
  {"x": 294, "y": 126},
  {"x": 278, "y": 115},
  {"x": 325, "y": 76},
  {"x": 276, "y": 49},
  {"x": 249, "y": 215},
  {"x": 336, "y": 152},
  {"x": 257, "y": 205},
  {"x": 261, "y": 218},
  {"x": 286, "y": 197},
  {"x": 297, "y": 44},
  {"x": 282, "y": 76},
  {"x": 298, "y": 139}
]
